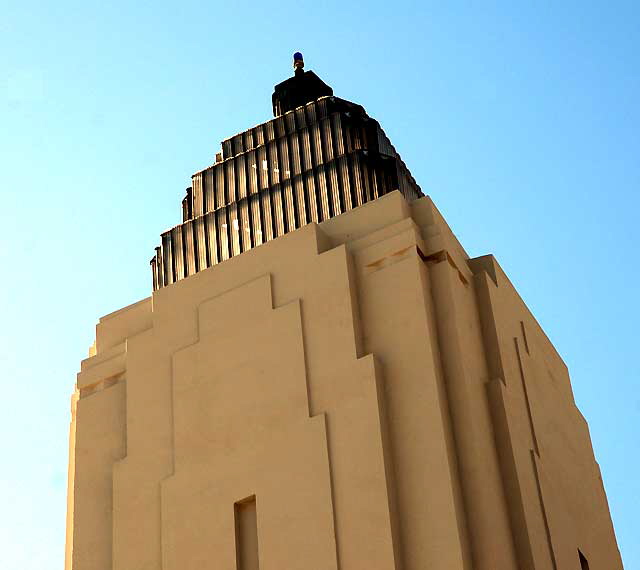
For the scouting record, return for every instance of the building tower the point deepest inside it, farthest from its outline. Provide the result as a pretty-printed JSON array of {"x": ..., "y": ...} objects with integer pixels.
[{"x": 357, "y": 393}]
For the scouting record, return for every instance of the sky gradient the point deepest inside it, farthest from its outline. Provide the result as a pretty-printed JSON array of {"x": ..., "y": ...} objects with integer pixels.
[{"x": 519, "y": 119}]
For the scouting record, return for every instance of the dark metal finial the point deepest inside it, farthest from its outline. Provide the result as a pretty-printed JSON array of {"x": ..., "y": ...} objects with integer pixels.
[{"x": 298, "y": 62}]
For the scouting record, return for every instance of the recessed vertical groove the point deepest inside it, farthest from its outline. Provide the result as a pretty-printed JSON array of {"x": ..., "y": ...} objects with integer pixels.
[
  {"x": 252, "y": 241},
  {"x": 246, "y": 527},
  {"x": 338, "y": 157},
  {"x": 174, "y": 272},
  {"x": 207, "y": 249},
  {"x": 543, "y": 509},
  {"x": 312, "y": 168},
  {"x": 185, "y": 263},
  {"x": 296, "y": 212},
  {"x": 196, "y": 254},
  {"x": 216, "y": 230},
  {"x": 526, "y": 399},
  {"x": 323, "y": 159},
  {"x": 226, "y": 228},
  {"x": 524, "y": 337},
  {"x": 297, "y": 125}
]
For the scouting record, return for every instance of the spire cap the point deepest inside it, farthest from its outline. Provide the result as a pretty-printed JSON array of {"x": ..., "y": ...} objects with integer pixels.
[{"x": 303, "y": 87}]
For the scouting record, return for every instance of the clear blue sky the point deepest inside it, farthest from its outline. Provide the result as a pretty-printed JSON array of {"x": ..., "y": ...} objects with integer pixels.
[{"x": 520, "y": 119}]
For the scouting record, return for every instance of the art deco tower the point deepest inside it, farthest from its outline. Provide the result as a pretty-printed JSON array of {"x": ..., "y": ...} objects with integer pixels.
[{"x": 356, "y": 393}]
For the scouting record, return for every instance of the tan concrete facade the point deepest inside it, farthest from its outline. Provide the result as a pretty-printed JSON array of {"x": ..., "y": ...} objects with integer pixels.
[{"x": 357, "y": 394}]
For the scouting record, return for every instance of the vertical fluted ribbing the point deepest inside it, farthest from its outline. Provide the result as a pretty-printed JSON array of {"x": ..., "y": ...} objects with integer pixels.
[{"x": 308, "y": 165}]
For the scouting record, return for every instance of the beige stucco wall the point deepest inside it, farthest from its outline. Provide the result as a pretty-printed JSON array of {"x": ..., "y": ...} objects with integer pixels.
[{"x": 389, "y": 403}]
